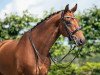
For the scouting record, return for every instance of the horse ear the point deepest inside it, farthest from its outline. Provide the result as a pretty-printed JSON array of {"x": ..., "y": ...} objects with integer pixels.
[
  {"x": 74, "y": 8},
  {"x": 66, "y": 8}
]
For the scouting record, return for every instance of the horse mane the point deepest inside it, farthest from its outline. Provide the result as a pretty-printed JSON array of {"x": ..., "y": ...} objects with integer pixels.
[{"x": 46, "y": 18}]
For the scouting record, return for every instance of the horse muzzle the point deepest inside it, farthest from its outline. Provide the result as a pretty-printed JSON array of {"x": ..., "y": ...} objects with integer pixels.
[{"x": 79, "y": 41}]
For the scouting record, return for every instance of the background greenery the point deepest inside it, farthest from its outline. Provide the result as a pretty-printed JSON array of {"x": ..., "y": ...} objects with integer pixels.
[{"x": 87, "y": 62}]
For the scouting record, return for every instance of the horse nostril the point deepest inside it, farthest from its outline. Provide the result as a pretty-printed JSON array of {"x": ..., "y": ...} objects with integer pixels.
[{"x": 81, "y": 41}]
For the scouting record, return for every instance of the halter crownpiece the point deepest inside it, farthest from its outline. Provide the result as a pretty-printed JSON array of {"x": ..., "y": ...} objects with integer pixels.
[{"x": 69, "y": 17}]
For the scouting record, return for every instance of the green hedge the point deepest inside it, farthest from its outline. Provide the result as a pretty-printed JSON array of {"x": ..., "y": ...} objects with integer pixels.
[{"x": 86, "y": 69}]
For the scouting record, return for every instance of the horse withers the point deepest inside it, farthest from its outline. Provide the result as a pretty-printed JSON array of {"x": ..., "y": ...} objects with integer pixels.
[{"x": 30, "y": 55}]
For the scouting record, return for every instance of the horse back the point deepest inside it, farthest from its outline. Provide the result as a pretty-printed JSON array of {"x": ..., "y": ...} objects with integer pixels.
[{"x": 7, "y": 52}]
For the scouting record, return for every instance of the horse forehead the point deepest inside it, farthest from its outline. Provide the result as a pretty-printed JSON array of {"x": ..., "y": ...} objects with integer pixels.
[
  {"x": 74, "y": 21},
  {"x": 69, "y": 14}
]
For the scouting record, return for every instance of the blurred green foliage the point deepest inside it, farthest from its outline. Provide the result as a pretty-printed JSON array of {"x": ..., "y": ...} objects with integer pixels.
[{"x": 74, "y": 69}]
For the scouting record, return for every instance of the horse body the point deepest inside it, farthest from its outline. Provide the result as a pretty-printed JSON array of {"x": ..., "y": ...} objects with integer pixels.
[{"x": 22, "y": 58}]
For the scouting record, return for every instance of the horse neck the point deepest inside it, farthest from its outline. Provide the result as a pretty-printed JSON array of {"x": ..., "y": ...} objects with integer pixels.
[{"x": 45, "y": 34}]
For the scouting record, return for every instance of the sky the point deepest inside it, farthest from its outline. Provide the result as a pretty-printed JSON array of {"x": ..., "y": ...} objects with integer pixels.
[{"x": 37, "y": 7}]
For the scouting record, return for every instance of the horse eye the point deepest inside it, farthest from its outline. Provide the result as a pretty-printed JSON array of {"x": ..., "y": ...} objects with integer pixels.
[{"x": 68, "y": 22}]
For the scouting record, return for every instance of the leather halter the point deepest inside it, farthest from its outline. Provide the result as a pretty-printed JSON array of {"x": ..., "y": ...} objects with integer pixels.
[{"x": 70, "y": 34}]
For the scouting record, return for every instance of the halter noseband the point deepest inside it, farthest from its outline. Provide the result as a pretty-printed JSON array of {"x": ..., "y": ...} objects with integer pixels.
[{"x": 70, "y": 34}]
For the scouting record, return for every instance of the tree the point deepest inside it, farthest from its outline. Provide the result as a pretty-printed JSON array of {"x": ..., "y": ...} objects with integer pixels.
[{"x": 14, "y": 25}]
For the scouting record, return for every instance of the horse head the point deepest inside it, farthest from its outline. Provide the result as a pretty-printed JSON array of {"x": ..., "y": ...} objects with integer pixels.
[{"x": 69, "y": 26}]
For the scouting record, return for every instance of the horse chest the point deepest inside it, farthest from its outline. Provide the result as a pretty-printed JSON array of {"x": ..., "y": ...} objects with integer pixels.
[{"x": 43, "y": 65}]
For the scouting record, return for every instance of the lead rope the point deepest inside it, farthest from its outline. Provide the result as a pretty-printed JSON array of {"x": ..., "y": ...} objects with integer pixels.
[
  {"x": 55, "y": 62},
  {"x": 35, "y": 51},
  {"x": 71, "y": 49},
  {"x": 78, "y": 52}
]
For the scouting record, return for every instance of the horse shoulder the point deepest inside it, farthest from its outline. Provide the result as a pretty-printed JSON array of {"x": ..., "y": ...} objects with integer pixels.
[{"x": 7, "y": 51}]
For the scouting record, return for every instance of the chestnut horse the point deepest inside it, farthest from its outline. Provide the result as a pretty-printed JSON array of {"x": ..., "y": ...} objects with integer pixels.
[{"x": 30, "y": 55}]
